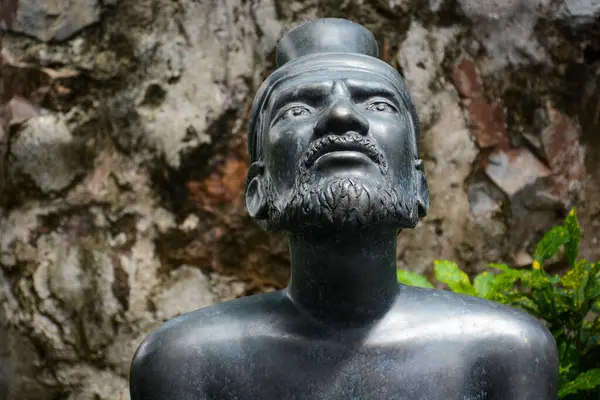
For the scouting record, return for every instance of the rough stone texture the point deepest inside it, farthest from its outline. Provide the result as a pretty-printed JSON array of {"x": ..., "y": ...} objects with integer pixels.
[
  {"x": 122, "y": 203},
  {"x": 487, "y": 118},
  {"x": 55, "y": 19},
  {"x": 186, "y": 289},
  {"x": 43, "y": 150},
  {"x": 506, "y": 29},
  {"x": 419, "y": 56},
  {"x": 513, "y": 170},
  {"x": 580, "y": 12}
]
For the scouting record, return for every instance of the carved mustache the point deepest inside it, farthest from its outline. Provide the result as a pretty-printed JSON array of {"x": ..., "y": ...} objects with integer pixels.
[{"x": 348, "y": 142}]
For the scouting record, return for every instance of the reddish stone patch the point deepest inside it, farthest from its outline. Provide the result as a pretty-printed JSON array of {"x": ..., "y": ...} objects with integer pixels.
[
  {"x": 560, "y": 141},
  {"x": 225, "y": 186},
  {"x": 222, "y": 187},
  {"x": 488, "y": 124},
  {"x": 466, "y": 79},
  {"x": 487, "y": 119}
]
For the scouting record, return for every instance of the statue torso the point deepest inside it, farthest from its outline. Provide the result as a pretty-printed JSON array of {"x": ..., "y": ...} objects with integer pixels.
[
  {"x": 431, "y": 345},
  {"x": 275, "y": 366}
]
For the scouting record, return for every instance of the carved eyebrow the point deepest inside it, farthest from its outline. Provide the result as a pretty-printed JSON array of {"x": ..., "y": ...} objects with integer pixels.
[
  {"x": 363, "y": 90},
  {"x": 312, "y": 93}
]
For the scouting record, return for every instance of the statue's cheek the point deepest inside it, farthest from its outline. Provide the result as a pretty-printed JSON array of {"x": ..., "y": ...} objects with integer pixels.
[
  {"x": 293, "y": 140},
  {"x": 283, "y": 152},
  {"x": 393, "y": 136}
]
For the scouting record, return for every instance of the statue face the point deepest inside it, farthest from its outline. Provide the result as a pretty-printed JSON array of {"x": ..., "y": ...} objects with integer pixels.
[{"x": 338, "y": 152}]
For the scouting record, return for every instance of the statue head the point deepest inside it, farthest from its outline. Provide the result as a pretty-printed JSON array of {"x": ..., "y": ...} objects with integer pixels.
[{"x": 334, "y": 136}]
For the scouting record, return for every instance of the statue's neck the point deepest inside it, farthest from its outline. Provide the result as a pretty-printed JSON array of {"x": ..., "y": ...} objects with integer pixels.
[{"x": 346, "y": 278}]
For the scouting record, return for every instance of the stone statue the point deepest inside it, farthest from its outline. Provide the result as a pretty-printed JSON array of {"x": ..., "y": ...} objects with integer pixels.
[{"x": 333, "y": 140}]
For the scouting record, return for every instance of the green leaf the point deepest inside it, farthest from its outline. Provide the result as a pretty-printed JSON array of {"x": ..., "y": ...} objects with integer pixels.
[
  {"x": 596, "y": 306},
  {"x": 545, "y": 302},
  {"x": 590, "y": 333},
  {"x": 593, "y": 289},
  {"x": 577, "y": 282},
  {"x": 413, "y": 279},
  {"x": 549, "y": 245},
  {"x": 572, "y": 246},
  {"x": 519, "y": 300},
  {"x": 502, "y": 267},
  {"x": 484, "y": 285},
  {"x": 512, "y": 272},
  {"x": 577, "y": 276},
  {"x": 506, "y": 281},
  {"x": 503, "y": 282},
  {"x": 450, "y": 274},
  {"x": 539, "y": 279},
  {"x": 540, "y": 296},
  {"x": 569, "y": 358},
  {"x": 542, "y": 289},
  {"x": 584, "y": 381}
]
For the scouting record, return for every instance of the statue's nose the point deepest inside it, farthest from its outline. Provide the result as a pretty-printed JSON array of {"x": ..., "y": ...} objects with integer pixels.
[{"x": 341, "y": 117}]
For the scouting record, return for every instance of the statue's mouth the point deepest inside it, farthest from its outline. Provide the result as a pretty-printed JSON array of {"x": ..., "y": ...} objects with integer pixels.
[{"x": 351, "y": 142}]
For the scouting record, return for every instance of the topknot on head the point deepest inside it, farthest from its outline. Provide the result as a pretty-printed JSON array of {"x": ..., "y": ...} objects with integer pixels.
[{"x": 326, "y": 35}]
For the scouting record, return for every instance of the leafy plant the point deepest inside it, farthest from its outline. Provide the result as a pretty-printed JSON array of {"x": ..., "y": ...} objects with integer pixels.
[{"x": 569, "y": 304}]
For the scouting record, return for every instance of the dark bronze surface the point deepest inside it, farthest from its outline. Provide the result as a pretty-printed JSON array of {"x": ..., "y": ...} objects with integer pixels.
[{"x": 334, "y": 147}]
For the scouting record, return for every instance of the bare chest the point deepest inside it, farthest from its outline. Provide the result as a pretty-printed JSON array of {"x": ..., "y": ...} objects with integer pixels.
[{"x": 297, "y": 369}]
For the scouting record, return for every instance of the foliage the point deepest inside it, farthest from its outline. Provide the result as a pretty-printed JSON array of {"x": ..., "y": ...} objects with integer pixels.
[{"x": 569, "y": 304}]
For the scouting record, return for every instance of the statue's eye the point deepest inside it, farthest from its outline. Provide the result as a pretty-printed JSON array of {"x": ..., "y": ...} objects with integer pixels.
[
  {"x": 296, "y": 111},
  {"x": 381, "y": 106}
]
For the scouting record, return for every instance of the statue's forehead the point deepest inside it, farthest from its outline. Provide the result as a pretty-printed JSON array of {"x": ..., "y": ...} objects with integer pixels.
[
  {"x": 328, "y": 77},
  {"x": 323, "y": 81}
]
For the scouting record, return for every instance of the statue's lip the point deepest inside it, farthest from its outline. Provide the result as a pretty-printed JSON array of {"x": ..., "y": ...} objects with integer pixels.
[
  {"x": 342, "y": 158},
  {"x": 341, "y": 145}
]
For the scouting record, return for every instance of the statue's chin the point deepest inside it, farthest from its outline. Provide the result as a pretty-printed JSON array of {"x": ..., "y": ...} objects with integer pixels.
[{"x": 340, "y": 204}]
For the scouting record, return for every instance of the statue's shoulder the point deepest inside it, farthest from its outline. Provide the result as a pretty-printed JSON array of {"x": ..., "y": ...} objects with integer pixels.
[
  {"x": 174, "y": 355},
  {"x": 470, "y": 316},
  {"x": 221, "y": 321},
  {"x": 491, "y": 337}
]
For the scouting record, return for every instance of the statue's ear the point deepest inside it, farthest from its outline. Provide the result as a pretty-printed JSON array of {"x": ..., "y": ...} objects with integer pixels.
[
  {"x": 422, "y": 190},
  {"x": 256, "y": 194}
]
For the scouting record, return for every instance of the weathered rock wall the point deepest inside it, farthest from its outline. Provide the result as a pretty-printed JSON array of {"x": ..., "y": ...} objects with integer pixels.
[{"x": 123, "y": 168}]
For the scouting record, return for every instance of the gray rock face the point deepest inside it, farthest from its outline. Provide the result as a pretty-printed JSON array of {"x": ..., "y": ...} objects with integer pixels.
[
  {"x": 515, "y": 169},
  {"x": 57, "y": 20},
  {"x": 186, "y": 290},
  {"x": 420, "y": 57},
  {"x": 44, "y": 151},
  {"x": 127, "y": 180},
  {"x": 579, "y": 12},
  {"x": 505, "y": 29}
]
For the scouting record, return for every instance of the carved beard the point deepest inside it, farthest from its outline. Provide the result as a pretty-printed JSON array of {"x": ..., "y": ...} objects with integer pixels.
[{"x": 342, "y": 203}]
